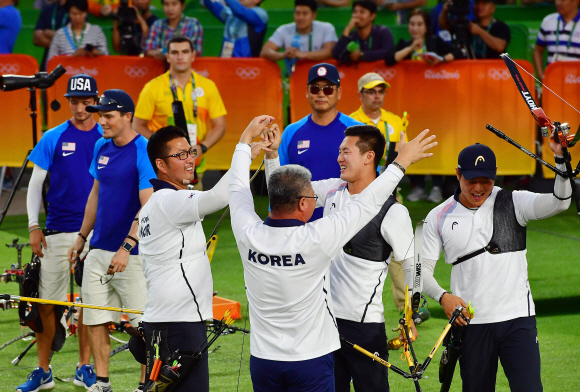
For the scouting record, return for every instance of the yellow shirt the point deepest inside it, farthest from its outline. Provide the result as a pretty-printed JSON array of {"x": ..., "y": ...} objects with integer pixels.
[
  {"x": 155, "y": 101},
  {"x": 389, "y": 121}
]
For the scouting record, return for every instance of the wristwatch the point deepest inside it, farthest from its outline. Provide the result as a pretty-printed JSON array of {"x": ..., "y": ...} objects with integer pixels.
[{"x": 127, "y": 246}]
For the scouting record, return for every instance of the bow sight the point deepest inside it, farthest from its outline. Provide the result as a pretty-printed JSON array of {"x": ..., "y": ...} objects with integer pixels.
[{"x": 558, "y": 132}]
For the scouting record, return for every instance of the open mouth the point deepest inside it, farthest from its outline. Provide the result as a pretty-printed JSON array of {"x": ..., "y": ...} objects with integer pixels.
[{"x": 477, "y": 196}]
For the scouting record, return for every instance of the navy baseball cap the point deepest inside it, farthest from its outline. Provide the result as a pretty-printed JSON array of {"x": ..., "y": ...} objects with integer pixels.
[
  {"x": 82, "y": 85},
  {"x": 113, "y": 100},
  {"x": 324, "y": 71},
  {"x": 477, "y": 160}
]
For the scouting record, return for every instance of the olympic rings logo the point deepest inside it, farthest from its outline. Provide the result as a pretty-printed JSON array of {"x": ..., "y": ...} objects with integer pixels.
[
  {"x": 248, "y": 72},
  {"x": 386, "y": 73},
  {"x": 136, "y": 71},
  {"x": 203, "y": 73},
  {"x": 9, "y": 68},
  {"x": 572, "y": 79},
  {"x": 498, "y": 74}
]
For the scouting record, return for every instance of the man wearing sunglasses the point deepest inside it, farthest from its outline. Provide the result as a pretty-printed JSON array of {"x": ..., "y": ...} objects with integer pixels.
[
  {"x": 173, "y": 246},
  {"x": 121, "y": 173},
  {"x": 313, "y": 141}
]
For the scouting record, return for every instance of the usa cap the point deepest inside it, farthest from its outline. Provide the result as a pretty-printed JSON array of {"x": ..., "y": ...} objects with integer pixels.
[
  {"x": 371, "y": 80},
  {"x": 113, "y": 100},
  {"x": 324, "y": 71},
  {"x": 82, "y": 85},
  {"x": 477, "y": 160}
]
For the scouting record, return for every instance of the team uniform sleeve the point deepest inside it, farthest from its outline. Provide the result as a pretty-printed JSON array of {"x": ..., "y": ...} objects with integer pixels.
[
  {"x": 181, "y": 207},
  {"x": 241, "y": 200},
  {"x": 216, "y": 198},
  {"x": 216, "y": 107},
  {"x": 397, "y": 230},
  {"x": 322, "y": 188},
  {"x": 93, "y": 168},
  {"x": 43, "y": 154},
  {"x": 333, "y": 231},
  {"x": 270, "y": 166},
  {"x": 284, "y": 145},
  {"x": 533, "y": 206},
  {"x": 145, "y": 170},
  {"x": 34, "y": 194},
  {"x": 146, "y": 103},
  {"x": 432, "y": 245}
]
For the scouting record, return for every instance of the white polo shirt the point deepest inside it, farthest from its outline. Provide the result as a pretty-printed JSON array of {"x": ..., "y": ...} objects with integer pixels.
[{"x": 286, "y": 266}]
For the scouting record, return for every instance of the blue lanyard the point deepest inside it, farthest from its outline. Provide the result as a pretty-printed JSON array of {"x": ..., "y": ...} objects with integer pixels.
[
  {"x": 53, "y": 19},
  {"x": 74, "y": 44},
  {"x": 563, "y": 27}
]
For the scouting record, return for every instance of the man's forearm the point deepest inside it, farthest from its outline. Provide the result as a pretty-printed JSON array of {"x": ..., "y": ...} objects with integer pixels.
[
  {"x": 322, "y": 54},
  {"x": 143, "y": 130},
  {"x": 214, "y": 135},
  {"x": 272, "y": 55},
  {"x": 539, "y": 60},
  {"x": 90, "y": 213}
]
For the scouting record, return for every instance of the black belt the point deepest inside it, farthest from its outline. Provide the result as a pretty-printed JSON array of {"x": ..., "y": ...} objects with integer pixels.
[{"x": 48, "y": 232}]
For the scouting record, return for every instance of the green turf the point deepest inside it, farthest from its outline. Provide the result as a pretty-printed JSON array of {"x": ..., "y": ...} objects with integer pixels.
[{"x": 553, "y": 260}]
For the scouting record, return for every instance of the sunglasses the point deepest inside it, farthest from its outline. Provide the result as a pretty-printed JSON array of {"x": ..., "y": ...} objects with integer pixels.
[
  {"x": 327, "y": 90},
  {"x": 109, "y": 101}
]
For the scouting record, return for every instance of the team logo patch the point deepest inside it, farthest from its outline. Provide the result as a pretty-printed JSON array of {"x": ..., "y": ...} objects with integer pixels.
[
  {"x": 479, "y": 158},
  {"x": 199, "y": 92},
  {"x": 103, "y": 160},
  {"x": 321, "y": 71},
  {"x": 68, "y": 146},
  {"x": 190, "y": 196},
  {"x": 303, "y": 144}
]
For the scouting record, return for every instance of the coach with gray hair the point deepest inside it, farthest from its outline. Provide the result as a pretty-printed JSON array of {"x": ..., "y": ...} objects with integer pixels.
[{"x": 286, "y": 263}]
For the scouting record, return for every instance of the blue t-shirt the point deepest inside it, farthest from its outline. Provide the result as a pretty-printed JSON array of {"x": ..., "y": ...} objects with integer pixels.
[
  {"x": 122, "y": 172},
  {"x": 315, "y": 147},
  {"x": 66, "y": 152},
  {"x": 10, "y": 25}
]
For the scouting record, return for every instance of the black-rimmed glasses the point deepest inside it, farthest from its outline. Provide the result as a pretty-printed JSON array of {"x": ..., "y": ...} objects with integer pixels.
[
  {"x": 327, "y": 90},
  {"x": 110, "y": 101},
  {"x": 183, "y": 155}
]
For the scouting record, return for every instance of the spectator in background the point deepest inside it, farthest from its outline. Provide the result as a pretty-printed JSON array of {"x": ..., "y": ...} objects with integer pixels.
[
  {"x": 313, "y": 142},
  {"x": 10, "y": 25},
  {"x": 306, "y": 38},
  {"x": 201, "y": 99},
  {"x": 175, "y": 23},
  {"x": 368, "y": 42},
  {"x": 102, "y": 8},
  {"x": 79, "y": 37},
  {"x": 422, "y": 45},
  {"x": 334, "y": 3},
  {"x": 40, "y": 4},
  {"x": 490, "y": 37},
  {"x": 560, "y": 34},
  {"x": 245, "y": 26},
  {"x": 402, "y": 7},
  {"x": 133, "y": 44},
  {"x": 52, "y": 17}
]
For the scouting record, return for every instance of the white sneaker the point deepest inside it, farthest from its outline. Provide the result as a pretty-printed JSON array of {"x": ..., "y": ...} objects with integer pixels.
[
  {"x": 100, "y": 387},
  {"x": 435, "y": 196},
  {"x": 417, "y": 194}
]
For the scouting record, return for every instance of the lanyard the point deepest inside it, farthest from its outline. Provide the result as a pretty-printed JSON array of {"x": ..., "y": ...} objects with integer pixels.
[
  {"x": 173, "y": 87},
  {"x": 388, "y": 139},
  {"x": 309, "y": 38},
  {"x": 415, "y": 56},
  {"x": 74, "y": 43},
  {"x": 563, "y": 27},
  {"x": 53, "y": 19},
  {"x": 479, "y": 45},
  {"x": 370, "y": 39},
  {"x": 177, "y": 29}
]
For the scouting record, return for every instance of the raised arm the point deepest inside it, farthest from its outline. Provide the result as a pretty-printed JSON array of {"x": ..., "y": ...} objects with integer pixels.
[{"x": 248, "y": 15}]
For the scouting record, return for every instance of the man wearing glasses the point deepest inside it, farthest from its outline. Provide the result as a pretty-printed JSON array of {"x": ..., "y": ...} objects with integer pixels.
[
  {"x": 313, "y": 141},
  {"x": 121, "y": 186},
  {"x": 173, "y": 246}
]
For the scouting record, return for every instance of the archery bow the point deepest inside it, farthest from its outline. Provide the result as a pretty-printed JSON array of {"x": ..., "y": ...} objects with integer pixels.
[{"x": 556, "y": 130}]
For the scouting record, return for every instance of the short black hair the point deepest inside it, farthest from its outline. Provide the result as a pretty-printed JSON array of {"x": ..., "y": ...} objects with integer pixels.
[
  {"x": 82, "y": 5},
  {"x": 178, "y": 38},
  {"x": 308, "y": 3},
  {"x": 181, "y": 1},
  {"x": 368, "y": 4},
  {"x": 370, "y": 139},
  {"x": 157, "y": 145}
]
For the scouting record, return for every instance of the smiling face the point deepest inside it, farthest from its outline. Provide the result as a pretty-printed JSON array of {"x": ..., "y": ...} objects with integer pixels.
[
  {"x": 321, "y": 102},
  {"x": 353, "y": 164},
  {"x": 172, "y": 169},
  {"x": 303, "y": 16},
  {"x": 78, "y": 107},
  {"x": 474, "y": 192},
  {"x": 113, "y": 123},
  {"x": 364, "y": 17}
]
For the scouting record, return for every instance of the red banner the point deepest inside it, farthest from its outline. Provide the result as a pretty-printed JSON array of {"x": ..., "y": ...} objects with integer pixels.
[
  {"x": 16, "y": 130},
  {"x": 563, "y": 78},
  {"x": 454, "y": 100}
]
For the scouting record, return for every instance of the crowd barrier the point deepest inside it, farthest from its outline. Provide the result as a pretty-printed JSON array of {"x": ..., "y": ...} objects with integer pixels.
[
  {"x": 248, "y": 87},
  {"x": 564, "y": 79},
  {"x": 16, "y": 128},
  {"x": 454, "y": 100}
]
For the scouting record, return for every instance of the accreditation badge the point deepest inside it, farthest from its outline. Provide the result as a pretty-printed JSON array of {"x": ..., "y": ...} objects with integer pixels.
[
  {"x": 227, "y": 50},
  {"x": 192, "y": 132}
]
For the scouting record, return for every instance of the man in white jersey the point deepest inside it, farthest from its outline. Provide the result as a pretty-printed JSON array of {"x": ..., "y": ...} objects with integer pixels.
[
  {"x": 286, "y": 264},
  {"x": 358, "y": 272},
  {"x": 173, "y": 247},
  {"x": 482, "y": 232}
]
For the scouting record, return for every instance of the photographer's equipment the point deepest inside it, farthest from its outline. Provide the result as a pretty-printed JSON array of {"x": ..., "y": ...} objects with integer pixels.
[
  {"x": 557, "y": 131},
  {"x": 127, "y": 19},
  {"x": 41, "y": 80},
  {"x": 459, "y": 27}
]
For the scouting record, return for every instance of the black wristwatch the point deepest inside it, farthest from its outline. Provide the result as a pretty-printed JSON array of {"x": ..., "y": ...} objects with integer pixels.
[
  {"x": 127, "y": 246},
  {"x": 203, "y": 148}
]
